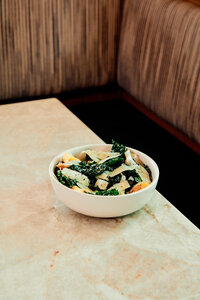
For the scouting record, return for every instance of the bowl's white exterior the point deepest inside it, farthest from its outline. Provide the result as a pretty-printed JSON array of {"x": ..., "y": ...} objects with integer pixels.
[{"x": 103, "y": 206}]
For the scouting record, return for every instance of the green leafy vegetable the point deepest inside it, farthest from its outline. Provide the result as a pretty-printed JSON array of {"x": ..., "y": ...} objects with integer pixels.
[
  {"x": 90, "y": 170},
  {"x": 117, "y": 147},
  {"x": 114, "y": 162},
  {"x": 92, "y": 183},
  {"x": 82, "y": 167},
  {"x": 113, "y": 192},
  {"x": 59, "y": 176},
  {"x": 132, "y": 173},
  {"x": 133, "y": 178},
  {"x": 65, "y": 180},
  {"x": 114, "y": 180}
]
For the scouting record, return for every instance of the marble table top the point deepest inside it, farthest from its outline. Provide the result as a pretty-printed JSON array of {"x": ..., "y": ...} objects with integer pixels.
[{"x": 48, "y": 253}]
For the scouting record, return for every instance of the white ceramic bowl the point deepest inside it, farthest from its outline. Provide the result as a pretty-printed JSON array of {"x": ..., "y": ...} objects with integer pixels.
[{"x": 103, "y": 206}]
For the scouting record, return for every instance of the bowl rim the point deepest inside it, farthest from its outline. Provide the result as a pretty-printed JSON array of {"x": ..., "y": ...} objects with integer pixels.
[{"x": 78, "y": 148}]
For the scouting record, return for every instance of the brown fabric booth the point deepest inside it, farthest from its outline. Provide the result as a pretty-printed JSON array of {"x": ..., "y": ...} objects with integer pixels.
[
  {"x": 151, "y": 48},
  {"x": 54, "y": 46},
  {"x": 159, "y": 60}
]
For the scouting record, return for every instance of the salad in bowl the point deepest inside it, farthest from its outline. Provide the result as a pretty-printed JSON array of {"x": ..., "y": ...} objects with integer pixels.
[
  {"x": 116, "y": 172},
  {"x": 103, "y": 180}
]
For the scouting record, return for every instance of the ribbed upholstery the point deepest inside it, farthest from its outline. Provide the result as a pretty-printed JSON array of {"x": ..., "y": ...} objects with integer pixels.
[
  {"x": 159, "y": 59},
  {"x": 51, "y": 46}
]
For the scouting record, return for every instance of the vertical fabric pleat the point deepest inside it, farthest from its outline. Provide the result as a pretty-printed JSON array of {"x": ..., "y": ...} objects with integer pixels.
[
  {"x": 159, "y": 59},
  {"x": 52, "y": 46}
]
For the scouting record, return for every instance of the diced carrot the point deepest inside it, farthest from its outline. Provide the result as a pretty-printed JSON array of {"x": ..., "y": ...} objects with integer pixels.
[
  {"x": 68, "y": 157},
  {"x": 139, "y": 186},
  {"x": 76, "y": 188}
]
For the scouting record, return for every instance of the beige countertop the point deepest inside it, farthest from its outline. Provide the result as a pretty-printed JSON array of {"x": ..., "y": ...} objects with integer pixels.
[{"x": 48, "y": 253}]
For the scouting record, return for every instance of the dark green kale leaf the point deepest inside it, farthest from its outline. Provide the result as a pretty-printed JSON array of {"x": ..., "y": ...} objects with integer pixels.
[
  {"x": 97, "y": 170},
  {"x": 109, "y": 165},
  {"x": 132, "y": 173},
  {"x": 92, "y": 183},
  {"x": 114, "y": 162},
  {"x": 82, "y": 168},
  {"x": 117, "y": 147},
  {"x": 90, "y": 170},
  {"x": 148, "y": 170},
  {"x": 69, "y": 182},
  {"x": 65, "y": 180},
  {"x": 59, "y": 176},
  {"x": 113, "y": 192},
  {"x": 133, "y": 178},
  {"x": 113, "y": 180}
]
